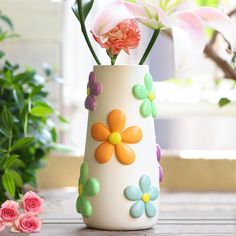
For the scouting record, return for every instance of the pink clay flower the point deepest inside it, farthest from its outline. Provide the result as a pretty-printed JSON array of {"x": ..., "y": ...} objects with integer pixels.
[
  {"x": 32, "y": 203},
  {"x": 8, "y": 213},
  {"x": 124, "y": 36},
  {"x": 27, "y": 223}
]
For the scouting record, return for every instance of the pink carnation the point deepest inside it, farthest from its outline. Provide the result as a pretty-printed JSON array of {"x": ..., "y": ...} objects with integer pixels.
[
  {"x": 32, "y": 203},
  {"x": 9, "y": 212},
  {"x": 126, "y": 35},
  {"x": 27, "y": 223}
]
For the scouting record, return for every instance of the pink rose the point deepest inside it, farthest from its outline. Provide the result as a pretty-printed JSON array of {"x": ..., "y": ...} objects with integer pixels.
[
  {"x": 2, "y": 226},
  {"x": 126, "y": 35},
  {"x": 9, "y": 212},
  {"x": 32, "y": 203},
  {"x": 27, "y": 223}
]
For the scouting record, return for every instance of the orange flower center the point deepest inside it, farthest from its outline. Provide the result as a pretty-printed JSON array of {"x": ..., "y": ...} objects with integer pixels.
[
  {"x": 114, "y": 138},
  {"x": 88, "y": 92},
  {"x": 151, "y": 96},
  {"x": 80, "y": 189},
  {"x": 146, "y": 197}
]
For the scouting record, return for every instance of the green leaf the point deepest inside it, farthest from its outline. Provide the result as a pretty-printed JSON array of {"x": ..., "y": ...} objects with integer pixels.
[
  {"x": 62, "y": 119},
  {"x": 9, "y": 183},
  {"x": 86, "y": 8},
  {"x": 19, "y": 98},
  {"x": 54, "y": 134},
  {"x": 7, "y": 21},
  {"x": 17, "y": 178},
  {"x": 2, "y": 54},
  {"x": 10, "y": 161},
  {"x": 7, "y": 118},
  {"x": 224, "y": 101},
  {"x": 47, "y": 69},
  {"x": 41, "y": 111},
  {"x": 4, "y": 131},
  {"x": 22, "y": 143},
  {"x": 18, "y": 163}
]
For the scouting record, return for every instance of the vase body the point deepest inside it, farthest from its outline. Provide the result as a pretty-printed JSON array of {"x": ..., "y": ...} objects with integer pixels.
[{"x": 111, "y": 209}]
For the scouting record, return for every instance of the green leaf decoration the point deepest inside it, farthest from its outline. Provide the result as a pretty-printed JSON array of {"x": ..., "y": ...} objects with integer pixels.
[
  {"x": 41, "y": 111},
  {"x": 9, "y": 183},
  {"x": 224, "y": 101},
  {"x": 7, "y": 118},
  {"x": 22, "y": 143},
  {"x": 86, "y": 6},
  {"x": 10, "y": 161},
  {"x": 17, "y": 178}
]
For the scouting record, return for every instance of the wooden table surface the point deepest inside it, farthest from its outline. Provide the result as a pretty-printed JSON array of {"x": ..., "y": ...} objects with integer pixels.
[{"x": 180, "y": 214}]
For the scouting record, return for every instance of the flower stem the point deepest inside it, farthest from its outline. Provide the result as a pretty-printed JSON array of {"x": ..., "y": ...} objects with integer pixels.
[
  {"x": 112, "y": 57},
  {"x": 84, "y": 31},
  {"x": 150, "y": 46}
]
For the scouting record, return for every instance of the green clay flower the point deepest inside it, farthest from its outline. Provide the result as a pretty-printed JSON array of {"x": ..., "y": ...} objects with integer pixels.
[
  {"x": 147, "y": 94},
  {"x": 87, "y": 188}
]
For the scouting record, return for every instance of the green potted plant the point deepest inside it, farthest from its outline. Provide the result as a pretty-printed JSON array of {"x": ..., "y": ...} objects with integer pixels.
[{"x": 27, "y": 127}]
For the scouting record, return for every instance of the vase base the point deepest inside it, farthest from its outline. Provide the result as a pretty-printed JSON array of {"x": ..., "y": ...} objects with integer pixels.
[{"x": 127, "y": 227}]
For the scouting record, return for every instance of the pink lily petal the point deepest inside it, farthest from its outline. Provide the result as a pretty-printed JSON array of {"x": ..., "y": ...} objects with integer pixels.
[
  {"x": 219, "y": 21},
  {"x": 189, "y": 38},
  {"x": 110, "y": 17}
]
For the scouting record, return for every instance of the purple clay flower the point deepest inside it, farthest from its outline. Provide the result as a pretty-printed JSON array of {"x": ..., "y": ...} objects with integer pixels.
[
  {"x": 94, "y": 88},
  {"x": 161, "y": 174},
  {"x": 158, "y": 152}
]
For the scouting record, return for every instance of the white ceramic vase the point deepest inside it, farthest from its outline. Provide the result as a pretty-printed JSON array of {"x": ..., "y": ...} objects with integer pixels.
[{"x": 119, "y": 179}]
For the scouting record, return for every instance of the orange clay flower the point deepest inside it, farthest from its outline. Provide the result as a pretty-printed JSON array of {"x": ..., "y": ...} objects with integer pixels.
[{"x": 115, "y": 139}]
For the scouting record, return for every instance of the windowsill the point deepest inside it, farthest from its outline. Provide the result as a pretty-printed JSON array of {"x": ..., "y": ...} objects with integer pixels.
[{"x": 183, "y": 171}]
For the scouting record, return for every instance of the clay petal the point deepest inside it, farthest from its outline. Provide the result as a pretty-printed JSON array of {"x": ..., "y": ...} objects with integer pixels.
[
  {"x": 96, "y": 89},
  {"x": 132, "y": 135},
  {"x": 90, "y": 103},
  {"x": 116, "y": 120},
  {"x": 104, "y": 152},
  {"x": 92, "y": 78},
  {"x": 100, "y": 132},
  {"x": 124, "y": 154}
]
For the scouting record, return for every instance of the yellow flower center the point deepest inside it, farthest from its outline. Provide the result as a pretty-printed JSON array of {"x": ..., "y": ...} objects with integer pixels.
[
  {"x": 80, "y": 189},
  {"x": 151, "y": 96},
  {"x": 88, "y": 91},
  {"x": 146, "y": 197},
  {"x": 114, "y": 138}
]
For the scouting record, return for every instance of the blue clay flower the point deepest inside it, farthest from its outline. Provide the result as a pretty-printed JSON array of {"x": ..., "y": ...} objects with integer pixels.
[{"x": 143, "y": 197}]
